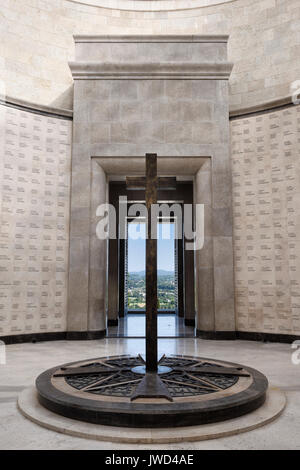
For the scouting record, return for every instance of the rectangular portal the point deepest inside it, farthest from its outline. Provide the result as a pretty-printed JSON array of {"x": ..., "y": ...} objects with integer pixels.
[
  {"x": 118, "y": 258},
  {"x": 167, "y": 268}
]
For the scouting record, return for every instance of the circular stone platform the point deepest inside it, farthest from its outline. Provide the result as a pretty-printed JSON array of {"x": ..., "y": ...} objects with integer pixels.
[
  {"x": 30, "y": 408},
  {"x": 104, "y": 391}
]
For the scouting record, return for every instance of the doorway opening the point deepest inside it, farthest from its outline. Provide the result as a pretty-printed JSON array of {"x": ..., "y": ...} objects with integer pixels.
[
  {"x": 126, "y": 270},
  {"x": 135, "y": 269}
]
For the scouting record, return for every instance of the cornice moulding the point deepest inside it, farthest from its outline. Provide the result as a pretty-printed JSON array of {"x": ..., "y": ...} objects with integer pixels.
[
  {"x": 151, "y": 6},
  {"x": 35, "y": 108},
  {"x": 141, "y": 38},
  {"x": 159, "y": 71},
  {"x": 262, "y": 107}
]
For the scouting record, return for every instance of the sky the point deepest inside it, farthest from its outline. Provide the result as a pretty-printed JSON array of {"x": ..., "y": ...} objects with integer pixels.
[{"x": 137, "y": 247}]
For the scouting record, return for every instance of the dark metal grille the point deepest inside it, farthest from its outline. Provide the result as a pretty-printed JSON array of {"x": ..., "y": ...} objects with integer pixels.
[{"x": 118, "y": 380}]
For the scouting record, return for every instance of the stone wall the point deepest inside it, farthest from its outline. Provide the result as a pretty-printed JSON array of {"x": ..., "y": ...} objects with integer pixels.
[
  {"x": 36, "y": 44},
  {"x": 37, "y": 41},
  {"x": 266, "y": 202},
  {"x": 34, "y": 221}
]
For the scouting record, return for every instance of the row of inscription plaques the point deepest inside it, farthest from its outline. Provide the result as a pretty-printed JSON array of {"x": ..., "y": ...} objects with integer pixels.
[
  {"x": 34, "y": 232},
  {"x": 266, "y": 205},
  {"x": 34, "y": 186}
]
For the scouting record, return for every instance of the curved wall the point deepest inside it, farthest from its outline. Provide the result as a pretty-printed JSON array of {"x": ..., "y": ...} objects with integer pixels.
[
  {"x": 266, "y": 208},
  {"x": 35, "y": 161},
  {"x": 37, "y": 42}
]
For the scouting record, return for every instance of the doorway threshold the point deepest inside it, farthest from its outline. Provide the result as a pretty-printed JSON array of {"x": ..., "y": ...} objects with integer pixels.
[{"x": 134, "y": 326}]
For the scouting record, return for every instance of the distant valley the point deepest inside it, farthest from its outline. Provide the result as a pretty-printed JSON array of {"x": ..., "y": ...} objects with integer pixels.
[
  {"x": 165, "y": 286},
  {"x": 160, "y": 272}
]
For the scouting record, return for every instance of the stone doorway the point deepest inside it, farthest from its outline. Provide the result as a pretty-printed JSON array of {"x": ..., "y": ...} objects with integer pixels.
[
  {"x": 178, "y": 321},
  {"x": 166, "y": 95}
]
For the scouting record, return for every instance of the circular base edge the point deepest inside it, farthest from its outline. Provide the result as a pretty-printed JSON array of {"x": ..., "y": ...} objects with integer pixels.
[
  {"x": 227, "y": 405},
  {"x": 31, "y": 409}
]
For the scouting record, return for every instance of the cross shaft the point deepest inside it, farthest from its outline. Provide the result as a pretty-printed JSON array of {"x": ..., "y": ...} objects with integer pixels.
[{"x": 151, "y": 266}]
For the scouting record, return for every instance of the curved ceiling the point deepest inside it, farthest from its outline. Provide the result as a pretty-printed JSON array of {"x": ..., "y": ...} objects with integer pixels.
[
  {"x": 151, "y": 5},
  {"x": 263, "y": 45}
]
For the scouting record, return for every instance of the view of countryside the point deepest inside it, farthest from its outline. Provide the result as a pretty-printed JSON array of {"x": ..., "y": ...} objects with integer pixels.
[
  {"x": 137, "y": 290},
  {"x": 136, "y": 294}
]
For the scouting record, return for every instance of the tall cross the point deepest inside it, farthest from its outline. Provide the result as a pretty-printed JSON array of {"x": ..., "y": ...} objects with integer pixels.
[
  {"x": 151, "y": 183},
  {"x": 151, "y": 266},
  {"x": 151, "y": 385}
]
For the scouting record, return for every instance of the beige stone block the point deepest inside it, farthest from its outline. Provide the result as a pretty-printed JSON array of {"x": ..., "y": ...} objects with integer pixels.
[
  {"x": 80, "y": 189},
  {"x": 222, "y": 189},
  {"x": 137, "y": 132},
  {"x": 151, "y": 90},
  {"x": 177, "y": 132},
  {"x": 104, "y": 111},
  {"x": 80, "y": 217},
  {"x": 195, "y": 111},
  {"x": 205, "y": 315},
  {"x": 222, "y": 222},
  {"x": 205, "y": 283},
  {"x": 92, "y": 53},
  {"x": 203, "y": 89},
  {"x": 91, "y": 90},
  {"x": 79, "y": 254},
  {"x": 203, "y": 132},
  {"x": 81, "y": 133},
  {"x": 124, "y": 90},
  {"x": 81, "y": 112},
  {"x": 224, "y": 315},
  {"x": 77, "y": 302},
  {"x": 204, "y": 257},
  {"x": 223, "y": 251},
  {"x": 100, "y": 132},
  {"x": 179, "y": 89},
  {"x": 223, "y": 279},
  {"x": 99, "y": 251},
  {"x": 204, "y": 186},
  {"x": 97, "y": 285}
]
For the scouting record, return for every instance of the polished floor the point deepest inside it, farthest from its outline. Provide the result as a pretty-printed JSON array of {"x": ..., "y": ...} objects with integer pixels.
[
  {"x": 26, "y": 361},
  {"x": 134, "y": 326}
]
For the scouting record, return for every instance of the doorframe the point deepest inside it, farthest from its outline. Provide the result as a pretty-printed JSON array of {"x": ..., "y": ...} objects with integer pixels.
[
  {"x": 116, "y": 256},
  {"x": 124, "y": 255}
]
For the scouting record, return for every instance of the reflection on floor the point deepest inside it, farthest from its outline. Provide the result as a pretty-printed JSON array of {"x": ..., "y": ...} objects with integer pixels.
[{"x": 134, "y": 326}]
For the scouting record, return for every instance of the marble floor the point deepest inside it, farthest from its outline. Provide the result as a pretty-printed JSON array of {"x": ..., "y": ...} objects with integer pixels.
[
  {"x": 26, "y": 361},
  {"x": 168, "y": 326}
]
